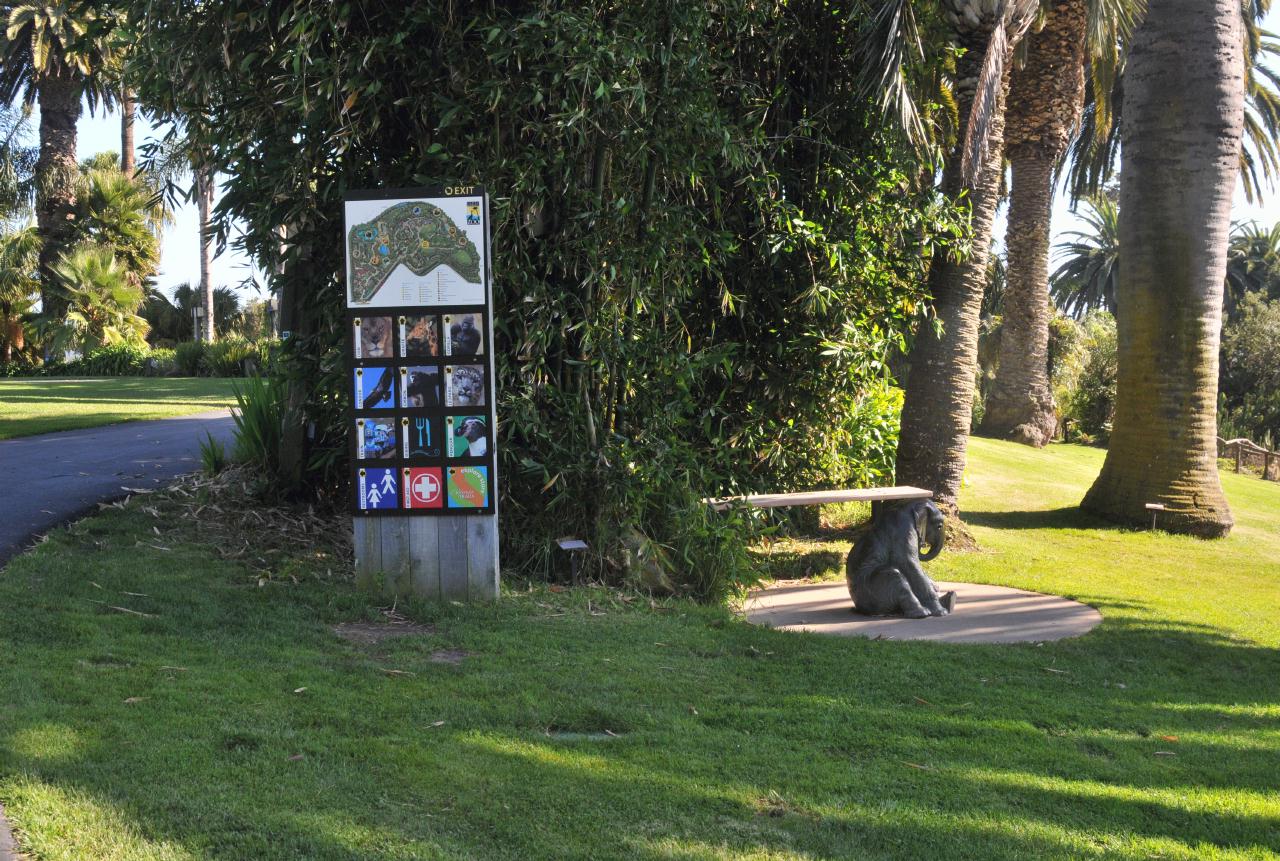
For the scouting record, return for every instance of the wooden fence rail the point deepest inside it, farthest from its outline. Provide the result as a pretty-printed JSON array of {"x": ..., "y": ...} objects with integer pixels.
[{"x": 1246, "y": 452}]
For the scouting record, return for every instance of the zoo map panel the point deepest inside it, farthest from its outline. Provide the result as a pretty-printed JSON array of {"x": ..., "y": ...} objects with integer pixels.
[
  {"x": 421, "y": 251},
  {"x": 421, "y": 375}
]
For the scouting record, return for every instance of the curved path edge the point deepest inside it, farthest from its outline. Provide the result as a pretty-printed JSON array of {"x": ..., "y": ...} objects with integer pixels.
[{"x": 56, "y": 477}]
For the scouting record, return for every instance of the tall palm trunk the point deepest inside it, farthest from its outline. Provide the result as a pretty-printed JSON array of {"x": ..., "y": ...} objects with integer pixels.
[
  {"x": 204, "y": 202},
  {"x": 59, "y": 96},
  {"x": 127, "y": 156},
  {"x": 1180, "y": 149},
  {"x": 939, "y": 393},
  {"x": 1045, "y": 100}
]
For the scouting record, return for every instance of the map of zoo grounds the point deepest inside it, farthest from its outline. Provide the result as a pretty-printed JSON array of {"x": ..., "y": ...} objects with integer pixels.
[{"x": 413, "y": 233}]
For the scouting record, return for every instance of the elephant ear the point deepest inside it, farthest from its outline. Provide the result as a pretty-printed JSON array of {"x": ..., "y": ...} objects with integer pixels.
[{"x": 929, "y": 531}]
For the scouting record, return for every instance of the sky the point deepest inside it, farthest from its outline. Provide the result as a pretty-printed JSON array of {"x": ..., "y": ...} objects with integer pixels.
[
  {"x": 180, "y": 247},
  {"x": 180, "y": 244}
]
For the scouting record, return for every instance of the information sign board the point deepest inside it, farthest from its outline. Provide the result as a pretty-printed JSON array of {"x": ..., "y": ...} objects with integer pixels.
[{"x": 420, "y": 352}]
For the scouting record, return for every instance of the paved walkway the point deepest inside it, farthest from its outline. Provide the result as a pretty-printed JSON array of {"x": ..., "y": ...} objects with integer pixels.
[
  {"x": 983, "y": 614},
  {"x": 52, "y": 478},
  {"x": 55, "y": 477}
]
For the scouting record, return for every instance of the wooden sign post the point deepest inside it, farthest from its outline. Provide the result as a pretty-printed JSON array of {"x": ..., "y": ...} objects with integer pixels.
[{"x": 422, "y": 423}]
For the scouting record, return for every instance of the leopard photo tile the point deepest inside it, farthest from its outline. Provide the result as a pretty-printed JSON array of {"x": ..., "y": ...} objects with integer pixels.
[{"x": 464, "y": 385}]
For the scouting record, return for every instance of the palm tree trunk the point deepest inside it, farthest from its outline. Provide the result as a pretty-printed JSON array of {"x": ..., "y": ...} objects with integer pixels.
[
  {"x": 1183, "y": 117},
  {"x": 1045, "y": 99},
  {"x": 127, "y": 156},
  {"x": 204, "y": 202},
  {"x": 938, "y": 408},
  {"x": 56, "y": 172}
]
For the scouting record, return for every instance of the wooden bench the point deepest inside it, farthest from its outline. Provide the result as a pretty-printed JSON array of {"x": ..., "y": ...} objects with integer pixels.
[{"x": 875, "y": 495}]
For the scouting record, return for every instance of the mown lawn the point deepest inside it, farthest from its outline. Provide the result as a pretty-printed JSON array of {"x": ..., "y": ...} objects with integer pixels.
[
  {"x": 43, "y": 404},
  {"x": 231, "y": 722}
]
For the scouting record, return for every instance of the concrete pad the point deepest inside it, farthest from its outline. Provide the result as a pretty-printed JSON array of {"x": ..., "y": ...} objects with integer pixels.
[{"x": 983, "y": 614}]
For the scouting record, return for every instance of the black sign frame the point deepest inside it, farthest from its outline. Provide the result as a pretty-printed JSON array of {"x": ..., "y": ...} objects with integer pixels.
[{"x": 399, "y": 412}]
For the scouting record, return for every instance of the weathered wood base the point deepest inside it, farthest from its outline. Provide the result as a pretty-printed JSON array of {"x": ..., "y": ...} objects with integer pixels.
[{"x": 440, "y": 558}]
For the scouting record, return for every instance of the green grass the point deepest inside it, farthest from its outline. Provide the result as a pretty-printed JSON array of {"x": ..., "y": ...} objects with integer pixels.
[
  {"x": 41, "y": 405},
  {"x": 276, "y": 739}
]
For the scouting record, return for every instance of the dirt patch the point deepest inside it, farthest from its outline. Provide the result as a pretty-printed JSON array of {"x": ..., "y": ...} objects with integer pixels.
[
  {"x": 373, "y": 633},
  {"x": 449, "y": 656}
]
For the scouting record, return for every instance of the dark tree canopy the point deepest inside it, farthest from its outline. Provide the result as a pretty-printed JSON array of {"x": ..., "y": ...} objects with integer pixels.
[{"x": 704, "y": 239}]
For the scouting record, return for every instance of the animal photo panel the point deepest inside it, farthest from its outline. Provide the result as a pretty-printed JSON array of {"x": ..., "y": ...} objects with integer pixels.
[
  {"x": 419, "y": 336},
  {"x": 420, "y": 387},
  {"x": 375, "y": 388},
  {"x": 375, "y": 438},
  {"x": 373, "y": 337},
  {"x": 464, "y": 385},
  {"x": 466, "y": 436},
  {"x": 463, "y": 334}
]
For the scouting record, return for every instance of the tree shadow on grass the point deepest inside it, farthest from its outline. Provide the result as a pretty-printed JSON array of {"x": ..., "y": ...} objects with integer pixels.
[
  {"x": 733, "y": 740},
  {"x": 777, "y": 564},
  {"x": 1071, "y": 517}
]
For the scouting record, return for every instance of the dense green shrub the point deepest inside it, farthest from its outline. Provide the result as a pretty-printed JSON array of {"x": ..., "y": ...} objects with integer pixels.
[
  {"x": 1250, "y": 371},
  {"x": 188, "y": 357},
  {"x": 115, "y": 360},
  {"x": 1084, "y": 378},
  {"x": 226, "y": 358},
  {"x": 259, "y": 418},
  {"x": 704, "y": 242}
]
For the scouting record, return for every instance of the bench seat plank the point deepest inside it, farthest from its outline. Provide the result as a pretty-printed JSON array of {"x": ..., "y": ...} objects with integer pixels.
[{"x": 821, "y": 497}]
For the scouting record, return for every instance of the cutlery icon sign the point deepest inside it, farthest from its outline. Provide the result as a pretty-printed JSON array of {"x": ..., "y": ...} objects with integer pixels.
[{"x": 422, "y": 425}]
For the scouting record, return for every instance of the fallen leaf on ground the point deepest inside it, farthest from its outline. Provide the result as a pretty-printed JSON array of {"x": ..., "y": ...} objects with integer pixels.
[
  {"x": 1167, "y": 737},
  {"x": 298, "y": 690},
  {"x": 1165, "y": 753},
  {"x": 135, "y": 699},
  {"x": 438, "y": 723},
  {"x": 556, "y": 588},
  {"x": 296, "y": 757}
]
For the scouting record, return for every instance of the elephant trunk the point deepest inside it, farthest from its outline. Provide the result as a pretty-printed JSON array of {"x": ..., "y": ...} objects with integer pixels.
[{"x": 933, "y": 535}]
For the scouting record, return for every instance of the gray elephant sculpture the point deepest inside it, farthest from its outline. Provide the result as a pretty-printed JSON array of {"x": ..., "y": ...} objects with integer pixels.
[{"x": 883, "y": 568}]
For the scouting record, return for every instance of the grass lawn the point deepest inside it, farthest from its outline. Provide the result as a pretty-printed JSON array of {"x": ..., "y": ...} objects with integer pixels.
[
  {"x": 230, "y": 721},
  {"x": 43, "y": 404}
]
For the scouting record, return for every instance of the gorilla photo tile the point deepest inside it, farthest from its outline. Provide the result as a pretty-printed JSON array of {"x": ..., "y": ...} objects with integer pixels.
[
  {"x": 464, "y": 334},
  {"x": 419, "y": 336},
  {"x": 375, "y": 439},
  {"x": 466, "y": 436},
  {"x": 464, "y": 385},
  {"x": 420, "y": 387},
  {"x": 375, "y": 388},
  {"x": 372, "y": 337},
  {"x": 421, "y": 435}
]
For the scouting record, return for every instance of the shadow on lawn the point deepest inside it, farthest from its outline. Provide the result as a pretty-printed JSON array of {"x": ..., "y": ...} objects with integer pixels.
[
  {"x": 1054, "y": 518},
  {"x": 1024, "y": 764}
]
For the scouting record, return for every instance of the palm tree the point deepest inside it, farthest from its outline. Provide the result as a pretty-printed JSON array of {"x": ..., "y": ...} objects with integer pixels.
[
  {"x": 120, "y": 213},
  {"x": 51, "y": 53},
  {"x": 1095, "y": 148},
  {"x": 172, "y": 161},
  {"x": 937, "y": 411},
  {"x": 1177, "y": 179},
  {"x": 1044, "y": 103},
  {"x": 19, "y": 258},
  {"x": 1086, "y": 279},
  {"x": 101, "y": 301},
  {"x": 1253, "y": 265}
]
